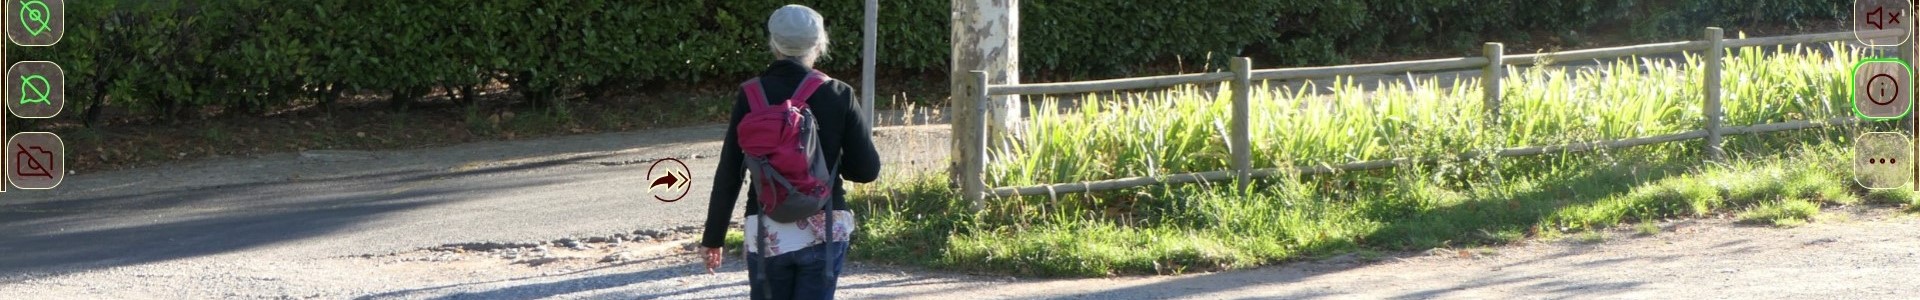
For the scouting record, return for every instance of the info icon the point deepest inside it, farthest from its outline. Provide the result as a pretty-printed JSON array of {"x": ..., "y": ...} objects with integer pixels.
[
  {"x": 36, "y": 160},
  {"x": 1879, "y": 16},
  {"x": 1882, "y": 89}
]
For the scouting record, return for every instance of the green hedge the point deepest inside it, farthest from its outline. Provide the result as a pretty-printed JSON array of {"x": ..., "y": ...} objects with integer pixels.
[{"x": 166, "y": 57}]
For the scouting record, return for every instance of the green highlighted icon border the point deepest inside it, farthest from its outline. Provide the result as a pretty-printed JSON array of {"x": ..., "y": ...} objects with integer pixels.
[{"x": 1853, "y": 87}]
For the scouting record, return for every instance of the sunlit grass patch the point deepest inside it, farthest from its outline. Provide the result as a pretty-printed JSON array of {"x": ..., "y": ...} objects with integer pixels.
[
  {"x": 1441, "y": 201},
  {"x": 1784, "y": 213}
]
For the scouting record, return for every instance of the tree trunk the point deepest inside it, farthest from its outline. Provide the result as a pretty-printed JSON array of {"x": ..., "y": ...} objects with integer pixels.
[{"x": 985, "y": 37}]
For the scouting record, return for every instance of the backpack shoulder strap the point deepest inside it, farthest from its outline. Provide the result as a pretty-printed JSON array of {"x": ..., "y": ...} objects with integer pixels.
[
  {"x": 756, "y": 97},
  {"x": 813, "y": 82}
]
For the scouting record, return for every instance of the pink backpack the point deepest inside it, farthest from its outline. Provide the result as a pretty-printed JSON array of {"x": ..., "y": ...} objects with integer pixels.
[{"x": 782, "y": 148}]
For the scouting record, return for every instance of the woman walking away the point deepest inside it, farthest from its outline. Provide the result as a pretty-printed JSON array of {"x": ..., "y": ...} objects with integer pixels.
[{"x": 797, "y": 131}]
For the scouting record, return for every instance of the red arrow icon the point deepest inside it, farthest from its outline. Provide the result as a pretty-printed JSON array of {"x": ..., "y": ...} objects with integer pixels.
[
  {"x": 671, "y": 180},
  {"x": 669, "y": 176}
]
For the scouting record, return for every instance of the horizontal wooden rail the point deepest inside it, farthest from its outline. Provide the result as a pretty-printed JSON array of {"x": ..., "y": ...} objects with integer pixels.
[
  {"x": 1415, "y": 66},
  {"x": 1222, "y": 176},
  {"x": 1587, "y": 54},
  {"x": 1368, "y": 69},
  {"x": 1107, "y": 85},
  {"x": 1813, "y": 38},
  {"x": 1115, "y": 184},
  {"x": 1670, "y": 47},
  {"x": 1792, "y": 125}
]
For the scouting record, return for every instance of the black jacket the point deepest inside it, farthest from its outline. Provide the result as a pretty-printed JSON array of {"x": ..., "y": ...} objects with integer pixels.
[{"x": 843, "y": 135}]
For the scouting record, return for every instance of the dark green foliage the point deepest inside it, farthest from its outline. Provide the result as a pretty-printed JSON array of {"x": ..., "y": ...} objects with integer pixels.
[
  {"x": 169, "y": 57},
  {"x": 1674, "y": 18}
]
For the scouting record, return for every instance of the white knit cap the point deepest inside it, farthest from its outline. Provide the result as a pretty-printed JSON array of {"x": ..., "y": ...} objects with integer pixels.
[{"x": 796, "y": 30}]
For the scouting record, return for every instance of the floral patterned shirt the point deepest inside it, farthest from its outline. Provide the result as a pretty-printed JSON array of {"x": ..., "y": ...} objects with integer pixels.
[{"x": 787, "y": 237}]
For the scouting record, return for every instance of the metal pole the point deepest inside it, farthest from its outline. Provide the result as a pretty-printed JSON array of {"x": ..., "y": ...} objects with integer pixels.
[
  {"x": 1716, "y": 49},
  {"x": 870, "y": 34}
]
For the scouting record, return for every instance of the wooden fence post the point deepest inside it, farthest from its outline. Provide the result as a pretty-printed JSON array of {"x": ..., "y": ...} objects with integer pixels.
[
  {"x": 1905, "y": 52},
  {"x": 1490, "y": 80},
  {"x": 1716, "y": 49},
  {"x": 1242, "y": 135},
  {"x": 974, "y": 182},
  {"x": 1910, "y": 122}
]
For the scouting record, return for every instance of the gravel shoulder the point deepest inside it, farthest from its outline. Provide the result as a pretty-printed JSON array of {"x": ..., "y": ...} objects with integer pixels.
[{"x": 1851, "y": 253}]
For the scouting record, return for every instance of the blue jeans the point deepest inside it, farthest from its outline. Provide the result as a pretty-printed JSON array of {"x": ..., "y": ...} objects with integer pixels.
[{"x": 810, "y": 273}]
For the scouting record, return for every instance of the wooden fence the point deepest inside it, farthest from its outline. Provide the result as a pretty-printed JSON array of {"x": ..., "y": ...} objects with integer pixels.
[{"x": 1493, "y": 66}]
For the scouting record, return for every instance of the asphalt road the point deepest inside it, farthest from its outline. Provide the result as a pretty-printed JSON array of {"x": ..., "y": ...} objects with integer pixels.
[{"x": 319, "y": 204}]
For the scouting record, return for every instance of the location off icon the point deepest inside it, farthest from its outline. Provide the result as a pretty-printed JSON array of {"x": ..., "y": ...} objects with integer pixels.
[{"x": 36, "y": 22}]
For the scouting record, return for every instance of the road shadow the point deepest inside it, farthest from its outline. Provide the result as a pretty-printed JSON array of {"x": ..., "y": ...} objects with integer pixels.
[
  {"x": 282, "y": 193},
  {"x": 540, "y": 290},
  {"x": 47, "y": 239},
  {"x": 1481, "y": 220},
  {"x": 683, "y": 280},
  {"x": 1461, "y": 224}
]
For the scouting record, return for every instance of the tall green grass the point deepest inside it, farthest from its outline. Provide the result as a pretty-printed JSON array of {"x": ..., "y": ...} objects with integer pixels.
[
  {"x": 1441, "y": 202},
  {"x": 1183, "y": 130}
]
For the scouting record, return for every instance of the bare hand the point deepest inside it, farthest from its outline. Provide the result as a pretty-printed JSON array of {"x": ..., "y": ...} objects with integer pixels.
[{"x": 714, "y": 257}]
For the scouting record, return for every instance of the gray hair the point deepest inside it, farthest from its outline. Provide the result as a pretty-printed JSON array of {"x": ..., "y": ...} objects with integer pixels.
[{"x": 797, "y": 33}]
